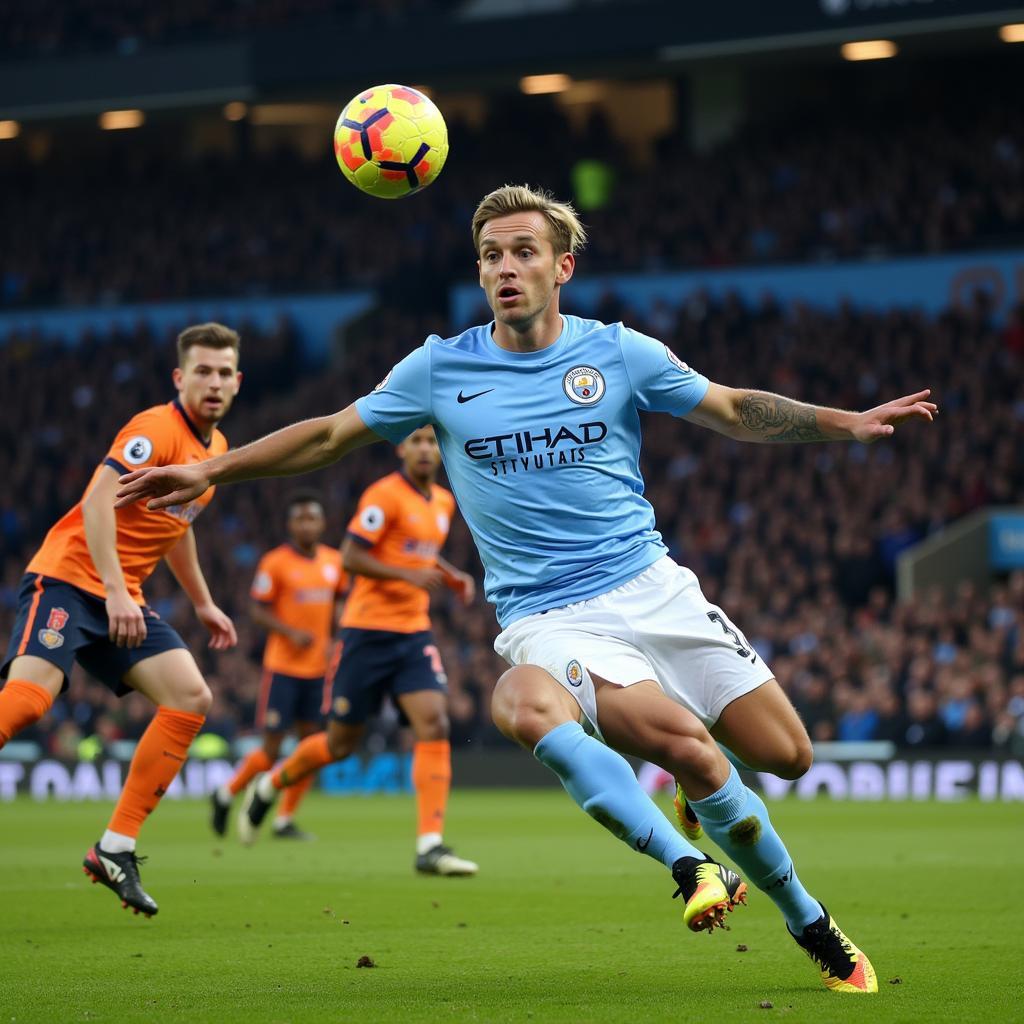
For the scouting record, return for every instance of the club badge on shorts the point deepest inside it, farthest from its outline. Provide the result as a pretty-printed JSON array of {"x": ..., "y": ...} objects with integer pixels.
[
  {"x": 583, "y": 385},
  {"x": 574, "y": 673},
  {"x": 50, "y": 636}
]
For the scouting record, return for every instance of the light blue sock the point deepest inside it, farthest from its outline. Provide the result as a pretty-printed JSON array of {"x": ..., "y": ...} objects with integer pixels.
[
  {"x": 737, "y": 819},
  {"x": 603, "y": 784}
]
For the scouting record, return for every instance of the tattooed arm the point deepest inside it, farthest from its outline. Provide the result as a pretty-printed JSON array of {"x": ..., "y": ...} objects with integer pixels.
[{"x": 761, "y": 417}]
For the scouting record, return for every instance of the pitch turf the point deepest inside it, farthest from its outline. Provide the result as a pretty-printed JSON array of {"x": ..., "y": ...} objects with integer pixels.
[{"x": 562, "y": 924}]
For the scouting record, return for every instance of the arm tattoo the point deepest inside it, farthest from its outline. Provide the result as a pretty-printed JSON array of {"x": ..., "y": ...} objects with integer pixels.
[{"x": 774, "y": 418}]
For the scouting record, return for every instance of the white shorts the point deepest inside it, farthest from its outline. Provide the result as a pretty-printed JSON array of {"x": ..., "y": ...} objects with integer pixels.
[{"x": 657, "y": 626}]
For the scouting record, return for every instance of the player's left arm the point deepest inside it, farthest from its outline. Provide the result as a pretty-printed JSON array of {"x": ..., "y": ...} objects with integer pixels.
[
  {"x": 183, "y": 561},
  {"x": 459, "y": 581},
  {"x": 763, "y": 417}
]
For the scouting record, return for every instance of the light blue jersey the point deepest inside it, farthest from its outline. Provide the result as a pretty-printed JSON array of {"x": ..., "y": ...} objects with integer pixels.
[{"x": 542, "y": 450}]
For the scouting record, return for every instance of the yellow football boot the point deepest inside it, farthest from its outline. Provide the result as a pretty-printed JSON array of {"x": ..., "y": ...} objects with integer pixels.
[
  {"x": 688, "y": 822},
  {"x": 710, "y": 890},
  {"x": 844, "y": 968}
]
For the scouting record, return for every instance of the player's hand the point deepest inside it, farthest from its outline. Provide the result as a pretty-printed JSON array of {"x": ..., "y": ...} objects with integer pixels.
[
  {"x": 222, "y": 629},
  {"x": 464, "y": 585},
  {"x": 882, "y": 421},
  {"x": 430, "y": 580},
  {"x": 300, "y": 638},
  {"x": 127, "y": 623},
  {"x": 162, "y": 485}
]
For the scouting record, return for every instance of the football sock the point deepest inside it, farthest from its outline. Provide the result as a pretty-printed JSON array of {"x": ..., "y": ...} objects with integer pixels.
[
  {"x": 309, "y": 755},
  {"x": 21, "y": 704},
  {"x": 292, "y": 797},
  {"x": 737, "y": 820},
  {"x": 158, "y": 757},
  {"x": 431, "y": 779},
  {"x": 256, "y": 761},
  {"x": 426, "y": 841},
  {"x": 114, "y": 842},
  {"x": 603, "y": 784}
]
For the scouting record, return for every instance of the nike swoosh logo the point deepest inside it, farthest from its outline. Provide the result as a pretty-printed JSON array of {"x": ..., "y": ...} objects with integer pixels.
[
  {"x": 462, "y": 399},
  {"x": 642, "y": 844}
]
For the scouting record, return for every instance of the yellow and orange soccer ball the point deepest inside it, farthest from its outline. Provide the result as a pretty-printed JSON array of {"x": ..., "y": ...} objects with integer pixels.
[{"x": 391, "y": 141}]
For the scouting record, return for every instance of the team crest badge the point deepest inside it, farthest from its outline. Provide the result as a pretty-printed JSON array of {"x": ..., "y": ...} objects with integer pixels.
[
  {"x": 673, "y": 358},
  {"x": 384, "y": 383},
  {"x": 50, "y": 636},
  {"x": 574, "y": 673},
  {"x": 583, "y": 385}
]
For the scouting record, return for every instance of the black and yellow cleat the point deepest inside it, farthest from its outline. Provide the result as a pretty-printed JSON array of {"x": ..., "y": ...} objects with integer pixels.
[
  {"x": 440, "y": 860},
  {"x": 119, "y": 872},
  {"x": 252, "y": 812},
  {"x": 844, "y": 968},
  {"x": 710, "y": 891},
  {"x": 688, "y": 823}
]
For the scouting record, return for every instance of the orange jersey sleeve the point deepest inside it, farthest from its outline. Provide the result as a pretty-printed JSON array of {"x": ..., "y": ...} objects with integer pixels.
[
  {"x": 160, "y": 436},
  {"x": 300, "y": 591},
  {"x": 401, "y": 526}
]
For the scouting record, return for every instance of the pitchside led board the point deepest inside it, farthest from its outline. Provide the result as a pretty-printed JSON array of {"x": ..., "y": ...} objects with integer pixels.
[{"x": 1006, "y": 541}]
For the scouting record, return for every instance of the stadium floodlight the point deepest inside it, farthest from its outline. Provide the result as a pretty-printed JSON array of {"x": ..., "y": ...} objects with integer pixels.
[
  {"x": 115, "y": 120},
  {"x": 536, "y": 85},
  {"x": 236, "y": 110},
  {"x": 869, "y": 49},
  {"x": 1012, "y": 33},
  {"x": 10, "y": 129}
]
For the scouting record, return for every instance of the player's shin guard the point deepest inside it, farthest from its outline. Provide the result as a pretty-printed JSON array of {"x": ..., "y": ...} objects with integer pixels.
[
  {"x": 737, "y": 820},
  {"x": 21, "y": 704},
  {"x": 158, "y": 757},
  {"x": 603, "y": 784},
  {"x": 432, "y": 779},
  {"x": 311, "y": 754},
  {"x": 256, "y": 761}
]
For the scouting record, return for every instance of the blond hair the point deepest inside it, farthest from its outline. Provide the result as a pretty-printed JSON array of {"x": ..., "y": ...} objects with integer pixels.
[
  {"x": 211, "y": 335},
  {"x": 567, "y": 233}
]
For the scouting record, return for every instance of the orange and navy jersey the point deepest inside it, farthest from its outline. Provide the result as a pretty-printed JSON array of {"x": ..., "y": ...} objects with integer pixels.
[
  {"x": 161, "y": 436},
  {"x": 300, "y": 590},
  {"x": 401, "y": 526}
]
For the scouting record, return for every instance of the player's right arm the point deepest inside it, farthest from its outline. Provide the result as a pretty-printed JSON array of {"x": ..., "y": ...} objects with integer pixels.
[
  {"x": 300, "y": 448},
  {"x": 127, "y": 624}
]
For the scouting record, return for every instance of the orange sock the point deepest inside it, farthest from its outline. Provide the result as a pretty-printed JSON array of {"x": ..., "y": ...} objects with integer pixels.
[
  {"x": 311, "y": 753},
  {"x": 293, "y": 796},
  {"x": 21, "y": 704},
  {"x": 158, "y": 758},
  {"x": 256, "y": 761},
  {"x": 431, "y": 778}
]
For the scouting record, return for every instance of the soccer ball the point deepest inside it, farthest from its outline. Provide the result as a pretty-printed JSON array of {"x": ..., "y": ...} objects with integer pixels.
[{"x": 391, "y": 141}]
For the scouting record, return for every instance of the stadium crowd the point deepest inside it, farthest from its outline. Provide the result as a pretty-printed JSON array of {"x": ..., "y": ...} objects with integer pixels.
[
  {"x": 797, "y": 542},
  {"x": 138, "y": 220}
]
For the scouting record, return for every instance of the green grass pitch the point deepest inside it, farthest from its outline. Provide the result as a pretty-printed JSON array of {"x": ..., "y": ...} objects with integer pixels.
[{"x": 562, "y": 924}]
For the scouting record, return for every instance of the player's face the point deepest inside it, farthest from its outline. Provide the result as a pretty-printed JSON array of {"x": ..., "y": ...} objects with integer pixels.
[
  {"x": 208, "y": 382},
  {"x": 306, "y": 523},
  {"x": 519, "y": 267},
  {"x": 420, "y": 454}
]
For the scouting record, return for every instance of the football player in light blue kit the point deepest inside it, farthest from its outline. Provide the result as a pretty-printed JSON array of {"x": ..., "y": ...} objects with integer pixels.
[{"x": 537, "y": 415}]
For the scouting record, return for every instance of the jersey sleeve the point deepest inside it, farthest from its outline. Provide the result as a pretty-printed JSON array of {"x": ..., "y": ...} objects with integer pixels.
[
  {"x": 661, "y": 381},
  {"x": 265, "y": 583},
  {"x": 145, "y": 440},
  {"x": 376, "y": 511},
  {"x": 400, "y": 403}
]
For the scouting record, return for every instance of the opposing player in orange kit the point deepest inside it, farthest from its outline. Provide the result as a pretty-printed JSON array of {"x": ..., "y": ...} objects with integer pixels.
[
  {"x": 294, "y": 597},
  {"x": 387, "y": 648},
  {"x": 81, "y": 600}
]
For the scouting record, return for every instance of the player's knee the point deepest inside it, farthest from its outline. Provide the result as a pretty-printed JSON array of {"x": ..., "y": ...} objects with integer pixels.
[
  {"x": 432, "y": 726},
  {"x": 193, "y": 696},
  {"x": 523, "y": 709},
  {"x": 797, "y": 762},
  {"x": 687, "y": 755},
  {"x": 339, "y": 746}
]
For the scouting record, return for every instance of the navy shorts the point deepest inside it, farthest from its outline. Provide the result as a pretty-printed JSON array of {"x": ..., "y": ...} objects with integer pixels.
[
  {"x": 62, "y": 623},
  {"x": 285, "y": 700},
  {"x": 375, "y": 663}
]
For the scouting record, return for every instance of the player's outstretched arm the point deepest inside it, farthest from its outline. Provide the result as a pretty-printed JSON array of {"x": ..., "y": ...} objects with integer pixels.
[
  {"x": 762, "y": 417},
  {"x": 300, "y": 448}
]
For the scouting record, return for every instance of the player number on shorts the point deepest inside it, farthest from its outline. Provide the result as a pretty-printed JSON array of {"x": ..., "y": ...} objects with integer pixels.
[
  {"x": 734, "y": 634},
  {"x": 436, "y": 665}
]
